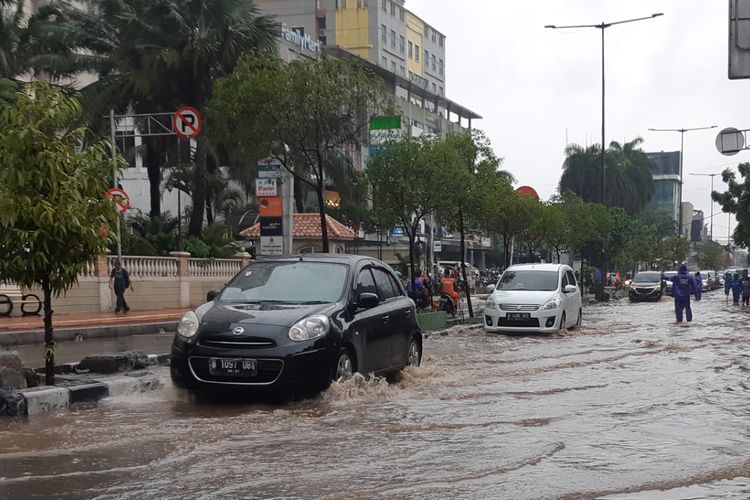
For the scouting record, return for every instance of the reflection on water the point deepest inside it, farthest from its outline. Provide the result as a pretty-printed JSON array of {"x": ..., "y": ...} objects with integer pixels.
[{"x": 627, "y": 406}]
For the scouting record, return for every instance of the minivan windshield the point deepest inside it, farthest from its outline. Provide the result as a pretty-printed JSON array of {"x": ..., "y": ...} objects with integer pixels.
[
  {"x": 539, "y": 281},
  {"x": 647, "y": 278},
  {"x": 287, "y": 282}
]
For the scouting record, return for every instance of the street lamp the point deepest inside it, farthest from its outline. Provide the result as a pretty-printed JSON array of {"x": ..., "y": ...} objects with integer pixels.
[
  {"x": 711, "y": 198},
  {"x": 602, "y": 26},
  {"x": 682, "y": 149}
]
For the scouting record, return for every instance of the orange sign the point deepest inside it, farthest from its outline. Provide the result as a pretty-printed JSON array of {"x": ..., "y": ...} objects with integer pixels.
[
  {"x": 270, "y": 206},
  {"x": 121, "y": 199},
  {"x": 528, "y": 191}
]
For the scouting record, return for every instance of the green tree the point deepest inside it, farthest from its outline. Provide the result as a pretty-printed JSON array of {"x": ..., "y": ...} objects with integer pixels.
[
  {"x": 628, "y": 180},
  {"x": 736, "y": 200},
  {"x": 710, "y": 255},
  {"x": 52, "y": 208},
  {"x": 401, "y": 194},
  {"x": 673, "y": 251},
  {"x": 11, "y": 29},
  {"x": 310, "y": 116},
  {"x": 155, "y": 55}
]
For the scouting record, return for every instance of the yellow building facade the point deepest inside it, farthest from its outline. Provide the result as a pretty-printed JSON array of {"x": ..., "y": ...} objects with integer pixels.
[
  {"x": 353, "y": 29},
  {"x": 415, "y": 41}
]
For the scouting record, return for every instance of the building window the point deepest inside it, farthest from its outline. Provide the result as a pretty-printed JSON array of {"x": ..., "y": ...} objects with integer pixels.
[
  {"x": 402, "y": 71},
  {"x": 393, "y": 39},
  {"x": 362, "y": 4},
  {"x": 434, "y": 62},
  {"x": 442, "y": 40},
  {"x": 383, "y": 33},
  {"x": 385, "y": 5},
  {"x": 434, "y": 87},
  {"x": 341, "y": 4},
  {"x": 441, "y": 91},
  {"x": 401, "y": 14},
  {"x": 416, "y": 52},
  {"x": 393, "y": 67},
  {"x": 434, "y": 36},
  {"x": 393, "y": 9},
  {"x": 411, "y": 50},
  {"x": 402, "y": 44},
  {"x": 385, "y": 62},
  {"x": 426, "y": 58},
  {"x": 441, "y": 66}
]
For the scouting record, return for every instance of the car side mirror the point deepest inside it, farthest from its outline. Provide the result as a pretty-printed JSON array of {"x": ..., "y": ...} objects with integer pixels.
[
  {"x": 211, "y": 295},
  {"x": 490, "y": 288},
  {"x": 571, "y": 289},
  {"x": 368, "y": 300}
]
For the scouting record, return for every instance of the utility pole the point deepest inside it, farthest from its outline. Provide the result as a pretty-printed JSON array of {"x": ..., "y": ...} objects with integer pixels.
[
  {"x": 682, "y": 150},
  {"x": 710, "y": 198}
]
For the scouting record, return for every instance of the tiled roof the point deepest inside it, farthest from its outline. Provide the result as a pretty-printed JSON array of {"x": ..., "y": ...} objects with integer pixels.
[{"x": 307, "y": 227}]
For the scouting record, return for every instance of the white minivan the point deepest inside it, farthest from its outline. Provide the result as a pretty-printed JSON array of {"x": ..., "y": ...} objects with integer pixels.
[{"x": 534, "y": 298}]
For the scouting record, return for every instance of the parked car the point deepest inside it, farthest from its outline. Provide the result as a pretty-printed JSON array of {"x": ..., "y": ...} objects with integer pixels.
[
  {"x": 667, "y": 276},
  {"x": 707, "y": 280},
  {"x": 290, "y": 323},
  {"x": 534, "y": 298},
  {"x": 646, "y": 285}
]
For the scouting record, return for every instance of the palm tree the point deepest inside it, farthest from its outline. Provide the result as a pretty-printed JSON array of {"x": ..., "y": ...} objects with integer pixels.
[
  {"x": 629, "y": 184},
  {"x": 156, "y": 55}
]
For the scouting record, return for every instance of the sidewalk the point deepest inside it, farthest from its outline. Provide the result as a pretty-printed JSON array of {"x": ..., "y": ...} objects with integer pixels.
[{"x": 30, "y": 329}]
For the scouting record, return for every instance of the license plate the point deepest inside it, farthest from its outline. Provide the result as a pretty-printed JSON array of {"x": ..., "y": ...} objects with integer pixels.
[
  {"x": 233, "y": 366},
  {"x": 517, "y": 316}
]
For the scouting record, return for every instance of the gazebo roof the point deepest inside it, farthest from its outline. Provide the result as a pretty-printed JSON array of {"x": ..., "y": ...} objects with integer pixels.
[{"x": 307, "y": 227}]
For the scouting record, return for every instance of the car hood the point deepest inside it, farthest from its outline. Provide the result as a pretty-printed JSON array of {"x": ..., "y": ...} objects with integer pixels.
[
  {"x": 216, "y": 316},
  {"x": 523, "y": 297},
  {"x": 646, "y": 284}
]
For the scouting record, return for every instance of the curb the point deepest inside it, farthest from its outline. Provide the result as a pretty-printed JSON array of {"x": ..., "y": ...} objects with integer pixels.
[
  {"x": 47, "y": 399},
  {"x": 443, "y": 333},
  {"x": 97, "y": 332}
]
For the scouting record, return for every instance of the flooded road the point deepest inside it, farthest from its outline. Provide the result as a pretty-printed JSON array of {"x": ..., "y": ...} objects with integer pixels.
[{"x": 629, "y": 406}]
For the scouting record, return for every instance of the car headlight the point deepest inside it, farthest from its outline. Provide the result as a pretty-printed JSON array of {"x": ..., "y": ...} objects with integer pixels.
[
  {"x": 188, "y": 325},
  {"x": 551, "y": 304},
  {"x": 490, "y": 304},
  {"x": 310, "y": 328}
]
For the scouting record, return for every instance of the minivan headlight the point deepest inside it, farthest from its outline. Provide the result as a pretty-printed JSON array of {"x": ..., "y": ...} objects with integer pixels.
[
  {"x": 490, "y": 303},
  {"x": 188, "y": 325},
  {"x": 551, "y": 304},
  {"x": 310, "y": 328}
]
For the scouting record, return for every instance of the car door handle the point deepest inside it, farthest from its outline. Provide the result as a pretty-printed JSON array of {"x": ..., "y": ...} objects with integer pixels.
[
  {"x": 407, "y": 313},
  {"x": 385, "y": 319}
]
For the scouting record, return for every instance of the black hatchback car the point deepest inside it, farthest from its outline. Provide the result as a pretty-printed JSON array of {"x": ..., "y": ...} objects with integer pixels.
[
  {"x": 297, "y": 323},
  {"x": 646, "y": 285}
]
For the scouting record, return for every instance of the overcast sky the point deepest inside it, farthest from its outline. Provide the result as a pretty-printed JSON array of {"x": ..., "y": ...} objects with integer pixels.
[{"x": 534, "y": 86}]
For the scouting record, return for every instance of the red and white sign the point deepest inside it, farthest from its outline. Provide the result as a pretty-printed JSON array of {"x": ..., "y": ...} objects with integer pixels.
[
  {"x": 187, "y": 122},
  {"x": 121, "y": 199},
  {"x": 265, "y": 187}
]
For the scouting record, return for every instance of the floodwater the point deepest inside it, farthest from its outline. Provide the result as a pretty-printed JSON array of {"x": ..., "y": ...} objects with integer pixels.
[{"x": 630, "y": 406}]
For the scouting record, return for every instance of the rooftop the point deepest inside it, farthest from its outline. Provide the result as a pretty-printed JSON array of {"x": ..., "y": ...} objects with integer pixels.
[{"x": 307, "y": 227}]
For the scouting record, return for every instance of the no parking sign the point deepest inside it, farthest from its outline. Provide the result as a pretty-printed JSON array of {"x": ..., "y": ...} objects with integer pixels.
[{"x": 187, "y": 122}]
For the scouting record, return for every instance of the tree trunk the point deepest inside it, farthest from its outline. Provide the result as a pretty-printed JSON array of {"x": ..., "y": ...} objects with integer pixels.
[
  {"x": 153, "y": 169},
  {"x": 411, "y": 272},
  {"x": 299, "y": 197},
  {"x": 49, "y": 340},
  {"x": 209, "y": 209},
  {"x": 508, "y": 251},
  {"x": 199, "y": 187},
  {"x": 322, "y": 204},
  {"x": 463, "y": 264}
]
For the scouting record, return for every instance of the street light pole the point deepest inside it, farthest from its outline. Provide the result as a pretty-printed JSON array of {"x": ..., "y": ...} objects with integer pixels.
[
  {"x": 712, "y": 200},
  {"x": 682, "y": 151},
  {"x": 602, "y": 26}
]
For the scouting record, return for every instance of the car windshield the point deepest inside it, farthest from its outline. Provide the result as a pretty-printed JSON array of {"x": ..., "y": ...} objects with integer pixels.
[
  {"x": 287, "y": 282},
  {"x": 646, "y": 278},
  {"x": 542, "y": 281}
]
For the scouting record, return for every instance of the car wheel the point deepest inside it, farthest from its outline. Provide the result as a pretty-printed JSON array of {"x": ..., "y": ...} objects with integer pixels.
[
  {"x": 414, "y": 357},
  {"x": 562, "y": 322},
  {"x": 344, "y": 366}
]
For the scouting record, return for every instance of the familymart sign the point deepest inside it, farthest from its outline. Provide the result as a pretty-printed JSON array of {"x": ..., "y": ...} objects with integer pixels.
[{"x": 303, "y": 41}]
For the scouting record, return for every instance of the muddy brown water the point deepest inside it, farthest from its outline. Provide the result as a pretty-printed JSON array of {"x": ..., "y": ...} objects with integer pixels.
[{"x": 629, "y": 406}]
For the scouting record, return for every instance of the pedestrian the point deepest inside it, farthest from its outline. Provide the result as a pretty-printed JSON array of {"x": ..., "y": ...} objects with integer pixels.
[
  {"x": 119, "y": 281},
  {"x": 746, "y": 291},
  {"x": 683, "y": 285},
  {"x": 736, "y": 288},
  {"x": 698, "y": 286},
  {"x": 727, "y": 284}
]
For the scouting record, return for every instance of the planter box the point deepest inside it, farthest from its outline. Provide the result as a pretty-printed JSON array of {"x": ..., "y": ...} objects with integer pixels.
[{"x": 429, "y": 322}]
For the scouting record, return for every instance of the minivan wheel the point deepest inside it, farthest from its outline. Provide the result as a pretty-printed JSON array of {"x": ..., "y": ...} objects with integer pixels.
[
  {"x": 415, "y": 353},
  {"x": 344, "y": 366}
]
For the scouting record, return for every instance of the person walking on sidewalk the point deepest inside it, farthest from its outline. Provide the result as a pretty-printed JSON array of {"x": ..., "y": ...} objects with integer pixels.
[
  {"x": 119, "y": 281},
  {"x": 698, "y": 285},
  {"x": 683, "y": 285}
]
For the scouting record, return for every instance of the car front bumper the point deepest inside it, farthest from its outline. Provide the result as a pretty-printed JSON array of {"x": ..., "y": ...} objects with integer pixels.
[{"x": 495, "y": 320}]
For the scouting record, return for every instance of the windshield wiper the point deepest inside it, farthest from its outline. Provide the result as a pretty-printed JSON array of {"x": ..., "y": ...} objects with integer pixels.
[{"x": 312, "y": 302}]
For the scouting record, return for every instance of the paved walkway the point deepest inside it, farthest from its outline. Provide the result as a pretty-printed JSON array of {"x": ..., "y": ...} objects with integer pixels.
[{"x": 66, "y": 321}]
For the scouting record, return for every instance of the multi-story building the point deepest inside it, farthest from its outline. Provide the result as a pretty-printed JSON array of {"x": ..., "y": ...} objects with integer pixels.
[{"x": 665, "y": 171}]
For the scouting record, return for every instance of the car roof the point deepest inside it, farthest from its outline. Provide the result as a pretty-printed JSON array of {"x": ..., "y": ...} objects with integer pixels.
[
  {"x": 647, "y": 272},
  {"x": 339, "y": 258},
  {"x": 538, "y": 267}
]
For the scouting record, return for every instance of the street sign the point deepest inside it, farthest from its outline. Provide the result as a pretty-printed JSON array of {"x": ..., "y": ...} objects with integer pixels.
[
  {"x": 271, "y": 246},
  {"x": 739, "y": 39},
  {"x": 528, "y": 191},
  {"x": 121, "y": 199},
  {"x": 398, "y": 231},
  {"x": 271, "y": 226},
  {"x": 269, "y": 171},
  {"x": 187, "y": 122},
  {"x": 385, "y": 122},
  {"x": 437, "y": 246},
  {"x": 271, "y": 206},
  {"x": 730, "y": 141},
  {"x": 265, "y": 187}
]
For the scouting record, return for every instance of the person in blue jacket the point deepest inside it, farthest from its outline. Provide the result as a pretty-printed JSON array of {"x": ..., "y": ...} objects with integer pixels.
[
  {"x": 727, "y": 283},
  {"x": 698, "y": 285},
  {"x": 736, "y": 288},
  {"x": 683, "y": 285}
]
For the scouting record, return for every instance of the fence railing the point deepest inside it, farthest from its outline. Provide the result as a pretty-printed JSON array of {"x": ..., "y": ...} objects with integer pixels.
[
  {"x": 212, "y": 268},
  {"x": 147, "y": 267}
]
